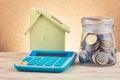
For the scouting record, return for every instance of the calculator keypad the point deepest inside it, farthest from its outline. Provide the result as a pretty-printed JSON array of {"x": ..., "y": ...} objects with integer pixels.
[
  {"x": 43, "y": 61},
  {"x": 61, "y": 62}
]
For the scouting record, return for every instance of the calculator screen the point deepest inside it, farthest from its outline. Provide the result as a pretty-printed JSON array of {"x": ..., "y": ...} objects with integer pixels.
[{"x": 51, "y": 54}]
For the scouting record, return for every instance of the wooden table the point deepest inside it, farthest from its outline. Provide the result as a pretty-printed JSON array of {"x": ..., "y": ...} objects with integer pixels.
[{"x": 75, "y": 72}]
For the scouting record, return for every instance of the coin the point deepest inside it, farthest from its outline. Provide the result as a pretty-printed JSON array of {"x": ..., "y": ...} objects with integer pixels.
[
  {"x": 82, "y": 41},
  {"x": 106, "y": 36},
  {"x": 92, "y": 42},
  {"x": 93, "y": 58},
  {"x": 91, "y": 48},
  {"x": 83, "y": 45},
  {"x": 83, "y": 56},
  {"x": 112, "y": 56},
  {"x": 84, "y": 36},
  {"x": 102, "y": 58},
  {"x": 106, "y": 43},
  {"x": 91, "y": 39},
  {"x": 108, "y": 49},
  {"x": 89, "y": 56},
  {"x": 113, "y": 62},
  {"x": 114, "y": 50},
  {"x": 107, "y": 46}
]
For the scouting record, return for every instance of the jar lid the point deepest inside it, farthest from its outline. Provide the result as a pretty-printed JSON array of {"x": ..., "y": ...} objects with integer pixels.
[{"x": 97, "y": 20}]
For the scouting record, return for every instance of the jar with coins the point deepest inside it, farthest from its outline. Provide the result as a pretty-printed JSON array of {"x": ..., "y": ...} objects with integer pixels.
[{"x": 98, "y": 43}]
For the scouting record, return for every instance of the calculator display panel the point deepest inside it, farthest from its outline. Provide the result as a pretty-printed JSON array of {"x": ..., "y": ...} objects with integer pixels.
[{"x": 51, "y": 54}]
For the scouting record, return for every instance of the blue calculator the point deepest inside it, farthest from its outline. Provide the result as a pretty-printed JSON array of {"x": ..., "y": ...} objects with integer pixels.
[{"x": 46, "y": 61}]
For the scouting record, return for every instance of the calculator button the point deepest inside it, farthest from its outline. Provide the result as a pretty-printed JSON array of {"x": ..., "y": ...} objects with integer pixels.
[
  {"x": 38, "y": 58},
  {"x": 58, "y": 64},
  {"x": 27, "y": 59},
  {"x": 30, "y": 63},
  {"x": 51, "y": 61},
  {"x": 34, "y": 61},
  {"x": 61, "y": 62},
  {"x": 23, "y": 63},
  {"x": 42, "y": 61}
]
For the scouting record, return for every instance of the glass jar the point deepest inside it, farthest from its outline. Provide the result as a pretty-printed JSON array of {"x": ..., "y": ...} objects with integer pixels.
[{"x": 98, "y": 44}]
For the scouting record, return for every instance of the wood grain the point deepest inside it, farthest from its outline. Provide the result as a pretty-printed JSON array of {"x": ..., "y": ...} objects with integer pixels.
[{"x": 75, "y": 72}]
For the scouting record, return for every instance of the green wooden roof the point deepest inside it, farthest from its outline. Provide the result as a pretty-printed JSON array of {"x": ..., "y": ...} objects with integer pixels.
[{"x": 50, "y": 17}]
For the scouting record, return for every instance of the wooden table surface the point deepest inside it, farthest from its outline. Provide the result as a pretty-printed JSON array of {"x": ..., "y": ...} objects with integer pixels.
[{"x": 75, "y": 72}]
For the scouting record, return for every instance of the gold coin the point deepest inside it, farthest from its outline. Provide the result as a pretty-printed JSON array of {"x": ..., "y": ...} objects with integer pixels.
[{"x": 91, "y": 39}]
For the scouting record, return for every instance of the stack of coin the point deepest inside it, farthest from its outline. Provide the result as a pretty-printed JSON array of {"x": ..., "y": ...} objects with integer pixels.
[
  {"x": 106, "y": 41},
  {"x": 106, "y": 45},
  {"x": 98, "y": 48},
  {"x": 83, "y": 56},
  {"x": 92, "y": 42}
]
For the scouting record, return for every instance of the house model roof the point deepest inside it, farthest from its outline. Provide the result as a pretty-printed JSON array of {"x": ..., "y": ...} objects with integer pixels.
[{"x": 51, "y": 18}]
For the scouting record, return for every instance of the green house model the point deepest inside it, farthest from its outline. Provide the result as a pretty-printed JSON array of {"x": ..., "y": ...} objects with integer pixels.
[{"x": 46, "y": 32}]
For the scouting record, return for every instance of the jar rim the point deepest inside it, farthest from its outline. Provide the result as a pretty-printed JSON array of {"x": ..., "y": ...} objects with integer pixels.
[{"x": 97, "y": 20}]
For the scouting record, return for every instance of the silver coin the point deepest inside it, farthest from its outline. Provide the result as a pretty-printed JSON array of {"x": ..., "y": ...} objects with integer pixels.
[
  {"x": 114, "y": 50},
  {"x": 91, "y": 48},
  {"x": 112, "y": 56},
  {"x": 106, "y": 41},
  {"x": 93, "y": 56},
  {"x": 83, "y": 45},
  {"x": 90, "y": 57},
  {"x": 102, "y": 58},
  {"x": 106, "y": 44},
  {"x": 108, "y": 49}
]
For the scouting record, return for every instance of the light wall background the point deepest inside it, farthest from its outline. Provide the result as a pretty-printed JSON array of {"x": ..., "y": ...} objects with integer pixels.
[{"x": 14, "y": 19}]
